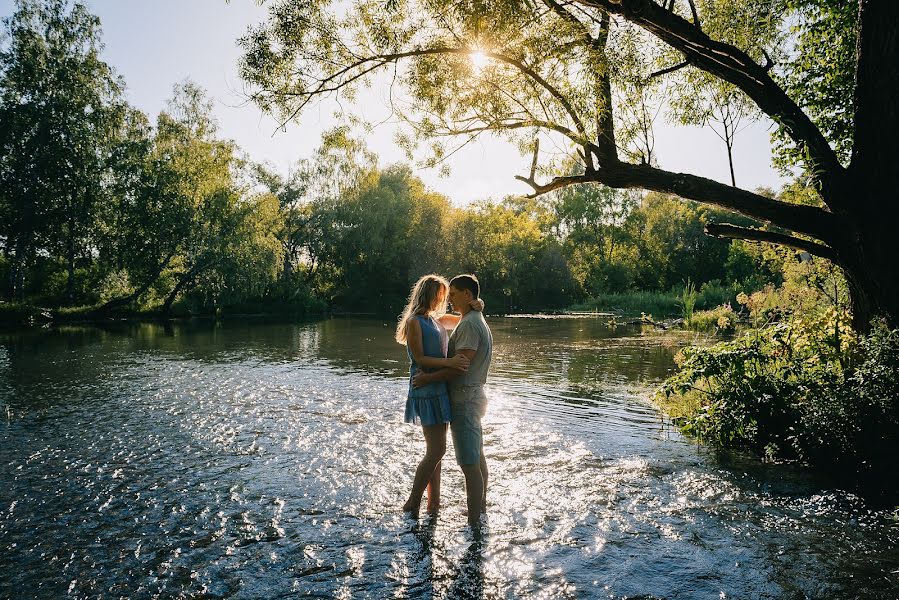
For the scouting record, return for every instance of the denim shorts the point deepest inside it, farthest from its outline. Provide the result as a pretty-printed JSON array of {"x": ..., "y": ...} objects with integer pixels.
[{"x": 469, "y": 403}]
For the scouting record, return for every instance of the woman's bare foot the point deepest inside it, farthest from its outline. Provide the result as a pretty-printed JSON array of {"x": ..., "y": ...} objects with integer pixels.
[{"x": 411, "y": 508}]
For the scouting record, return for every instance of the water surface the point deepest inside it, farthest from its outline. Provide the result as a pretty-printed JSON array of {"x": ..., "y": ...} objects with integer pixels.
[{"x": 265, "y": 460}]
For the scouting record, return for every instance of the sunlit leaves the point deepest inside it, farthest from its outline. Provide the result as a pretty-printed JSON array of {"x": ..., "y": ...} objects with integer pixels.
[{"x": 821, "y": 73}]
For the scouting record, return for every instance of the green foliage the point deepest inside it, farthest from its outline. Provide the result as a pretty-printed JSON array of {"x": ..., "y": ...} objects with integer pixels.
[
  {"x": 519, "y": 266},
  {"x": 591, "y": 221},
  {"x": 807, "y": 389},
  {"x": 662, "y": 304},
  {"x": 688, "y": 299},
  {"x": 720, "y": 319},
  {"x": 62, "y": 109},
  {"x": 820, "y": 75},
  {"x": 714, "y": 293},
  {"x": 807, "y": 288}
]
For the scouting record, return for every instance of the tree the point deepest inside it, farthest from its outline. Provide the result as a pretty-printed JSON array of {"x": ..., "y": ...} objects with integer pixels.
[
  {"x": 290, "y": 192},
  {"x": 198, "y": 185},
  {"x": 241, "y": 250},
  {"x": 505, "y": 248},
  {"x": 340, "y": 167},
  {"x": 62, "y": 110},
  {"x": 590, "y": 220},
  {"x": 529, "y": 69},
  {"x": 180, "y": 211},
  {"x": 672, "y": 247}
]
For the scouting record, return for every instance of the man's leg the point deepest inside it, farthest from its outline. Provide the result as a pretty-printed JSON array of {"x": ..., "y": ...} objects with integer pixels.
[
  {"x": 483, "y": 468},
  {"x": 474, "y": 491},
  {"x": 482, "y": 461},
  {"x": 467, "y": 443}
]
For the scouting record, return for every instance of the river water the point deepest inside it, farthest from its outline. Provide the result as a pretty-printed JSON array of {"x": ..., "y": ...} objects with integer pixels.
[{"x": 267, "y": 460}]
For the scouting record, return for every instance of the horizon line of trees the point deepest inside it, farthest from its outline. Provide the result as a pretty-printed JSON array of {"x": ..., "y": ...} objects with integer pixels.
[{"x": 101, "y": 208}]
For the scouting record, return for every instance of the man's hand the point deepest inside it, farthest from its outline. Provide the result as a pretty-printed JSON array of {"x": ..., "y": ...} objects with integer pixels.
[
  {"x": 477, "y": 304},
  {"x": 459, "y": 362},
  {"x": 420, "y": 379}
]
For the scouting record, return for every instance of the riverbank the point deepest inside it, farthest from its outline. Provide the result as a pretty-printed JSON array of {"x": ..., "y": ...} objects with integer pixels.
[
  {"x": 807, "y": 390},
  {"x": 23, "y": 315},
  {"x": 658, "y": 304}
]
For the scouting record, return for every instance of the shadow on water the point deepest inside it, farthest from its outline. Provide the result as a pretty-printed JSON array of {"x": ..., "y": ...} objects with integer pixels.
[
  {"x": 255, "y": 459},
  {"x": 468, "y": 583}
]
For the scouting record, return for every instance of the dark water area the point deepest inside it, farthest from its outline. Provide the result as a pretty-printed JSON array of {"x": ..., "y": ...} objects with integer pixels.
[{"x": 268, "y": 460}]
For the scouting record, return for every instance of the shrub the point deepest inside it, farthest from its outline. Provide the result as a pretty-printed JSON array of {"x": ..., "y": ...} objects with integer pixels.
[
  {"x": 806, "y": 389},
  {"x": 14, "y": 314},
  {"x": 713, "y": 294},
  {"x": 721, "y": 319}
]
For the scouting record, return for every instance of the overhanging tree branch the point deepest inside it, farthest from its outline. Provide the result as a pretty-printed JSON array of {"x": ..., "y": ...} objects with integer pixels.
[
  {"x": 667, "y": 70},
  {"x": 604, "y": 148},
  {"x": 808, "y": 220},
  {"x": 735, "y": 66},
  {"x": 350, "y": 73},
  {"x": 726, "y": 230}
]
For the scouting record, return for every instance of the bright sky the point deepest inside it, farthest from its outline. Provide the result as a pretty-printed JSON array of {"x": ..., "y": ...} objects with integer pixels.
[{"x": 154, "y": 45}]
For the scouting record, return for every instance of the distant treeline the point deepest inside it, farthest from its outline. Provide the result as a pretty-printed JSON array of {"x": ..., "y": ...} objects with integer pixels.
[{"x": 100, "y": 208}]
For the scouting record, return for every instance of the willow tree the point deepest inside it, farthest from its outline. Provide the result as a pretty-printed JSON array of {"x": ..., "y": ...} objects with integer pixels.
[{"x": 529, "y": 69}]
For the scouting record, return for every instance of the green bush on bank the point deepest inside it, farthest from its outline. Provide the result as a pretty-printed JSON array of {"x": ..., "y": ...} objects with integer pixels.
[
  {"x": 807, "y": 389},
  {"x": 722, "y": 319},
  {"x": 714, "y": 293}
]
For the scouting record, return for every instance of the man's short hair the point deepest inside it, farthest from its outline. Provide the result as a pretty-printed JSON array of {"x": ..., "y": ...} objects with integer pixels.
[{"x": 467, "y": 282}]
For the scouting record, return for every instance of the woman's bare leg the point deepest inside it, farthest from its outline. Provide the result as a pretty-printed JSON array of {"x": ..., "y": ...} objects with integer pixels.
[
  {"x": 435, "y": 440},
  {"x": 434, "y": 490}
]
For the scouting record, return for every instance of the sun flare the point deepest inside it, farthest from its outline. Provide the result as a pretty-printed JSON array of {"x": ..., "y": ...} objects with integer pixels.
[{"x": 479, "y": 60}]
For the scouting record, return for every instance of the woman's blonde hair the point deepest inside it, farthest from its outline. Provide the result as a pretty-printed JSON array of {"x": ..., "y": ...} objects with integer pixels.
[{"x": 423, "y": 300}]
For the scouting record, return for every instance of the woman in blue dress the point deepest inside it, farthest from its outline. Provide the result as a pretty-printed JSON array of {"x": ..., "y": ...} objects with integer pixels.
[{"x": 423, "y": 329}]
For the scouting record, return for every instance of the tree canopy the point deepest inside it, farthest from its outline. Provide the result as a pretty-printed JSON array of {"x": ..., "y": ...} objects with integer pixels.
[
  {"x": 583, "y": 71},
  {"x": 62, "y": 110}
]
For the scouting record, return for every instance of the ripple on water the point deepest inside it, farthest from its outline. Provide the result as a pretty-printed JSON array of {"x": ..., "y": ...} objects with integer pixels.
[{"x": 218, "y": 472}]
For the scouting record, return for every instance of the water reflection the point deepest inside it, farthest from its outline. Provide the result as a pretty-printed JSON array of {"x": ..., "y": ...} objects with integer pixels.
[{"x": 262, "y": 459}]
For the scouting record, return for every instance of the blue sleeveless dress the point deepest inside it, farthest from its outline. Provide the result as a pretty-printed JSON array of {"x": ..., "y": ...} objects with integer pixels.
[{"x": 428, "y": 404}]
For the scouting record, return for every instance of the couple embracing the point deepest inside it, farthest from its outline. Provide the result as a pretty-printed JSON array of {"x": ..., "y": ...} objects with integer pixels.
[{"x": 450, "y": 356}]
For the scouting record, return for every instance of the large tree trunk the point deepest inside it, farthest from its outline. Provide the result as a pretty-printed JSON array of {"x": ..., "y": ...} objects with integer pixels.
[
  {"x": 872, "y": 272},
  {"x": 125, "y": 300},
  {"x": 870, "y": 250},
  {"x": 184, "y": 283},
  {"x": 70, "y": 269}
]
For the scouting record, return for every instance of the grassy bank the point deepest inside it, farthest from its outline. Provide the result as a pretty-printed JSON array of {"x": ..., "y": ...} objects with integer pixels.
[
  {"x": 660, "y": 305},
  {"x": 633, "y": 303}
]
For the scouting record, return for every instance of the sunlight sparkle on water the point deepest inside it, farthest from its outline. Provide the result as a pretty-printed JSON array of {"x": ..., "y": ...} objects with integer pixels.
[{"x": 270, "y": 459}]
